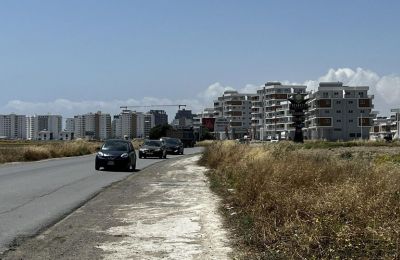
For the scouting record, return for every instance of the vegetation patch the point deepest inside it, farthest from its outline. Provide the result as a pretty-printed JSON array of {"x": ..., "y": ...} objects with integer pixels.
[
  {"x": 34, "y": 151},
  {"x": 289, "y": 201}
]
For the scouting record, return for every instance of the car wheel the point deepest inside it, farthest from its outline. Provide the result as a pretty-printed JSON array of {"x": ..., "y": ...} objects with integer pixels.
[{"x": 97, "y": 167}]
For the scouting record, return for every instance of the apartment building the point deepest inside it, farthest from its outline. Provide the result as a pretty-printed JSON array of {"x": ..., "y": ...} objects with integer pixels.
[
  {"x": 125, "y": 124},
  {"x": 183, "y": 118},
  {"x": 13, "y": 126},
  {"x": 278, "y": 119},
  {"x": 338, "y": 112},
  {"x": 149, "y": 123},
  {"x": 382, "y": 127},
  {"x": 93, "y": 126},
  {"x": 160, "y": 117},
  {"x": 236, "y": 108},
  {"x": 270, "y": 116},
  {"x": 145, "y": 121},
  {"x": 44, "y": 127},
  {"x": 70, "y": 125}
]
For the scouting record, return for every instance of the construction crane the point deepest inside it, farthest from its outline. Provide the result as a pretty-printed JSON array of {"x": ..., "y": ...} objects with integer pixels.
[{"x": 126, "y": 107}]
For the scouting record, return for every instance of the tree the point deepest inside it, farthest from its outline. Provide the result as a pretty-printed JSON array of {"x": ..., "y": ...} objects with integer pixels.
[
  {"x": 159, "y": 131},
  {"x": 206, "y": 135}
]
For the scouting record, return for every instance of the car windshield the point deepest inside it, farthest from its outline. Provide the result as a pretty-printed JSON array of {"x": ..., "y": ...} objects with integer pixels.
[
  {"x": 172, "y": 141},
  {"x": 115, "y": 146},
  {"x": 153, "y": 143}
]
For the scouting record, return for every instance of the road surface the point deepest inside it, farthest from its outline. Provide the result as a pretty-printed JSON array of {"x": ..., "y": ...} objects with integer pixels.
[
  {"x": 167, "y": 211},
  {"x": 36, "y": 194}
]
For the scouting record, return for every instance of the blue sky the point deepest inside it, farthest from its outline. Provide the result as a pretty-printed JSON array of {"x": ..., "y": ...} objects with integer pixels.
[{"x": 143, "y": 51}]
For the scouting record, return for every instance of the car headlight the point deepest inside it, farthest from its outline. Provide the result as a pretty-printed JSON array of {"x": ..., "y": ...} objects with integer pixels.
[
  {"x": 124, "y": 155},
  {"x": 158, "y": 150},
  {"x": 100, "y": 154},
  {"x": 142, "y": 150}
]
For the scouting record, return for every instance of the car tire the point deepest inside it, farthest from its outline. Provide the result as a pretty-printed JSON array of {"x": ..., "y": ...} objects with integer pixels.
[{"x": 97, "y": 166}]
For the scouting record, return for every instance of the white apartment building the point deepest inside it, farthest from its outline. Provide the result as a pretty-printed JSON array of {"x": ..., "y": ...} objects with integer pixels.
[
  {"x": 236, "y": 108},
  {"x": 145, "y": 121},
  {"x": 382, "y": 127},
  {"x": 270, "y": 116},
  {"x": 125, "y": 125},
  {"x": 70, "y": 125},
  {"x": 91, "y": 126},
  {"x": 50, "y": 125},
  {"x": 338, "y": 112},
  {"x": 13, "y": 126}
]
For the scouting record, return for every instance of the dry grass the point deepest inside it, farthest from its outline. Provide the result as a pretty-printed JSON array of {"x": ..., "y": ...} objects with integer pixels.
[
  {"x": 204, "y": 143},
  {"x": 44, "y": 150},
  {"x": 287, "y": 202}
]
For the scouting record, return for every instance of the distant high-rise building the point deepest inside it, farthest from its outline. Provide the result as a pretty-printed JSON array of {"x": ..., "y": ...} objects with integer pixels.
[
  {"x": 51, "y": 125},
  {"x": 125, "y": 124},
  {"x": 92, "y": 126},
  {"x": 70, "y": 125},
  {"x": 13, "y": 126},
  {"x": 149, "y": 123},
  {"x": 160, "y": 117}
]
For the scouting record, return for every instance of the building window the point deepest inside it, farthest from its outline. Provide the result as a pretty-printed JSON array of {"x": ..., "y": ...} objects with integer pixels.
[
  {"x": 350, "y": 120},
  {"x": 338, "y": 121},
  {"x": 338, "y": 111},
  {"x": 361, "y": 94},
  {"x": 352, "y": 135},
  {"x": 350, "y": 111},
  {"x": 326, "y": 111},
  {"x": 338, "y": 102},
  {"x": 325, "y": 94},
  {"x": 337, "y": 129},
  {"x": 350, "y": 101},
  {"x": 336, "y": 93}
]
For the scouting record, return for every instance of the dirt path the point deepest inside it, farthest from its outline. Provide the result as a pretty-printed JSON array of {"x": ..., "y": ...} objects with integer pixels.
[{"x": 163, "y": 212}]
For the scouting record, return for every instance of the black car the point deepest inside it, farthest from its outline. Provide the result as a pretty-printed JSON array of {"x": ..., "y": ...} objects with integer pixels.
[
  {"x": 116, "y": 154},
  {"x": 153, "y": 148},
  {"x": 173, "y": 145}
]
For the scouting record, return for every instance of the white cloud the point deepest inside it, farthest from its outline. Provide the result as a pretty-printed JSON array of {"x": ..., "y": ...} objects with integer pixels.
[
  {"x": 385, "y": 88},
  {"x": 213, "y": 91}
]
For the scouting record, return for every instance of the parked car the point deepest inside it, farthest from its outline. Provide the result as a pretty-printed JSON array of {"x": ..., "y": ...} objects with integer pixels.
[
  {"x": 116, "y": 154},
  {"x": 173, "y": 145},
  {"x": 153, "y": 148}
]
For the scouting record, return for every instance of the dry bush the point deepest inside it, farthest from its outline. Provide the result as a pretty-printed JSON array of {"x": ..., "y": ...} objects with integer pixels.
[
  {"x": 46, "y": 150},
  {"x": 294, "y": 203}
]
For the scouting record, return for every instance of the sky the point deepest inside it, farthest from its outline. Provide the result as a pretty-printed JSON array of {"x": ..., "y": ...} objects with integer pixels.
[{"x": 71, "y": 57}]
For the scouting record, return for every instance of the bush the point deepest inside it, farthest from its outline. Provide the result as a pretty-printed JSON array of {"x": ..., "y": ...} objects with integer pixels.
[{"x": 46, "y": 150}]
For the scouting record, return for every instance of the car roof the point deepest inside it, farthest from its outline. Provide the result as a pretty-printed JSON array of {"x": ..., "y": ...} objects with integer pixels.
[{"x": 117, "y": 140}]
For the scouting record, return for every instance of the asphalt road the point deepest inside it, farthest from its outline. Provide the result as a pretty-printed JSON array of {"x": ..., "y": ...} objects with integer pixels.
[{"x": 35, "y": 195}]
